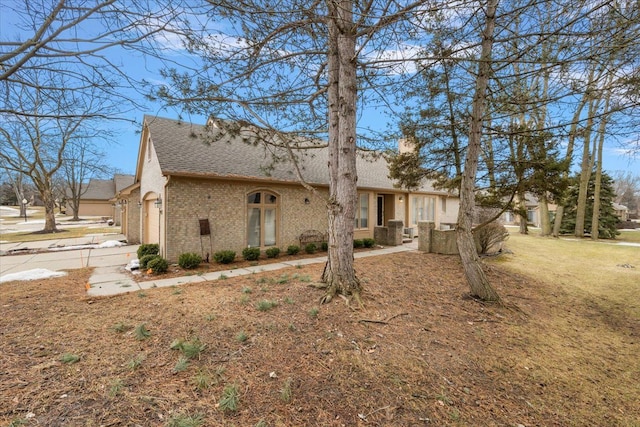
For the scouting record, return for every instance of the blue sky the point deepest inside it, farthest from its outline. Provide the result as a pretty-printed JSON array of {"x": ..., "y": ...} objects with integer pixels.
[{"x": 122, "y": 153}]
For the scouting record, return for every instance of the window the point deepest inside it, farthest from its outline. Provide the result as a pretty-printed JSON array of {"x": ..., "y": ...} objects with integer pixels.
[
  {"x": 262, "y": 210},
  {"x": 443, "y": 201},
  {"x": 362, "y": 211},
  {"x": 422, "y": 209}
]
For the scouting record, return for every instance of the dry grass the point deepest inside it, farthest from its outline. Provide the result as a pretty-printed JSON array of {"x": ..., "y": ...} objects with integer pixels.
[
  {"x": 420, "y": 353},
  {"x": 602, "y": 270}
]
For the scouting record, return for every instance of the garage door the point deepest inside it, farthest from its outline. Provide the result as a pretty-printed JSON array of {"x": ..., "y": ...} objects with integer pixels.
[{"x": 151, "y": 222}]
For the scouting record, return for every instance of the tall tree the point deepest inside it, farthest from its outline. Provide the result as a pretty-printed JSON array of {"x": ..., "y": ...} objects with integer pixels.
[
  {"x": 298, "y": 70},
  {"x": 474, "y": 273},
  {"x": 59, "y": 71},
  {"x": 35, "y": 142},
  {"x": 603, "y": 208},
  {"x": 82, "y": 161}
]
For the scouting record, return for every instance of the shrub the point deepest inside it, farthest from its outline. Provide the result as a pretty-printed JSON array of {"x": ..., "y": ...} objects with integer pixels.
[
  {"x": 358, "y": 243},
  {"x": 158, "y": 265},
  {"x": 272, "y": 252},
  {"x": 144, "y": 261},
  {"x": 251, "y": 254},
  {"x": 148, "y": 249},
  {"x": 368, "y": 242},
  {"x": 311, "y": 248},
  {"x": 189, "y": 260},
  {"x": 293, "y": 249},
  {"x": 489, "y": 236},
  {"x": 224, "y": 257},
  {"x": 627, "y": 225},
  {"x": 324, "y": 246}
]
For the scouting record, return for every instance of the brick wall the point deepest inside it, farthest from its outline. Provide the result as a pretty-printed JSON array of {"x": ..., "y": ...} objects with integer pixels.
[
  {"x": 133, "y": 218},
  {"x": 224, "y": 204}
]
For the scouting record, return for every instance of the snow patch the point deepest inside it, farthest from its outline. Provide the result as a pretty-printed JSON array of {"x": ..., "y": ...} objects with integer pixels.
[{"x": 35, "y": 274}]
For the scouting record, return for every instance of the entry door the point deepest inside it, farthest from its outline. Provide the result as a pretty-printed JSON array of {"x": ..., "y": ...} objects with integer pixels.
[
  {"x": 380, "y": 210},
  {"x": 152, "y": 220}
]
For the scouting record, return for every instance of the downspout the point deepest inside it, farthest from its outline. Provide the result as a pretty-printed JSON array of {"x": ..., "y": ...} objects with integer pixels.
[{"x": 163, "y": 220}]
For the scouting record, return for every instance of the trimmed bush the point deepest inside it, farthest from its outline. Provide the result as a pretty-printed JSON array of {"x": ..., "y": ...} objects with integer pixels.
[
  {"x": 311, "y": 248},
  {"x": 293, "y": 249},
  {"x": 324, "y": 246},
  {"x": 148, "y": 249},
  {"x": 358, "y": 243},
  {"x": 251, "y": 254},
  {"x": 224, "y": 257},
  {"x": 189, "y": 260},
  {"x": 368, "y": 242},
  {"x": 272, "y": 252},
  {"x": 144, "y": 260},
  {"x": 158, "y": 265}
]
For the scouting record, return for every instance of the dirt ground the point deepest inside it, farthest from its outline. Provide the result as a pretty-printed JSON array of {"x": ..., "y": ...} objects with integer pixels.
[{"x": 420, "y": 352}]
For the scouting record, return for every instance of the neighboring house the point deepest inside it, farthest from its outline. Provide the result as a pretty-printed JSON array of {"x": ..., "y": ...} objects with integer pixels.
[
  {"x": 533, "y": 212},
  {"x": 621, "y": 211},
  {"x": 98, "y": 199},
  {"x": 226, "y": 194}
]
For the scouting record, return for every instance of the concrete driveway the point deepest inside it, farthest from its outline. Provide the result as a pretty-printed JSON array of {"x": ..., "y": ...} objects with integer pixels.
[{"x": 65, "y": 254}]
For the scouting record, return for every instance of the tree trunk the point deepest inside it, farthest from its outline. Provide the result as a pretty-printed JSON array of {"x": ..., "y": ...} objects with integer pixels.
[
  {"x": 595, "y": 217},
  {"x": 49, "y": 211},
  {"x": 339, "y": 274},
  {"x": 478, "y": 282},
  {"x": 557, "y": 223},
  {"x": 586, "y": 167},
  {"x": 522, "y": 212},
  {"x": 545, "y": 222}
]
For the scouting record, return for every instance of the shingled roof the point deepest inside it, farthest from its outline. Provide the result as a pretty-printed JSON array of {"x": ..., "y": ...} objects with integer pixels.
[{"x": 189, "y": 150}]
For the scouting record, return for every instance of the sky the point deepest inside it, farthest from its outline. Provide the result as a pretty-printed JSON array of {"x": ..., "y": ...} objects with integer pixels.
[{"x": 122, "y": 152}]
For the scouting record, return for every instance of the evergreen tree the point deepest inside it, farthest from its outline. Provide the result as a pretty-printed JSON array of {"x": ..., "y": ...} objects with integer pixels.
[{"x": 607, "y": 219}]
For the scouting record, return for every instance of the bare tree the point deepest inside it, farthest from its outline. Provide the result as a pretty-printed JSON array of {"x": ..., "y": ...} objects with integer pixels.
[
  {"x": 35, "y": 144},
  {"x": 83, "y": 160},
  {"x": 60, "y": 76}
]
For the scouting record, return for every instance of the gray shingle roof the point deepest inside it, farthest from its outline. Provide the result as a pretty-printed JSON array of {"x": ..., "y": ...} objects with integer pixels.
[
  {"x": 122, "y": 181},
  {"x": 99, "y": 189},
  {"x": 184, "y": 149}
]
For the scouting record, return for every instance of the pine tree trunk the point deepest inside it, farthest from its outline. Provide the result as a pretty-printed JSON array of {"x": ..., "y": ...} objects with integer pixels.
[
  {"x": 545, "y": 222},
  {"x": 339, "y": 274},
  {"x": 557, "y": 222},
  {"x": 478, "y": 282},
  {"x": 522, "y": 212}
]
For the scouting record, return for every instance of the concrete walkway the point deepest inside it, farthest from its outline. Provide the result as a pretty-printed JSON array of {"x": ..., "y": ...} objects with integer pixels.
[
  {"x": 110, "y": 277},
  {"x": 115, "y": 280}
]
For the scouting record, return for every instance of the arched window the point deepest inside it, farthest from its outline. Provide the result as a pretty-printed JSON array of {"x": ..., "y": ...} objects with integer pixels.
[{"x": 262, "y": 214}]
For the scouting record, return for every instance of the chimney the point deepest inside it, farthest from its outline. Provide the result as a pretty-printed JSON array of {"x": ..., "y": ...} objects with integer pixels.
[{"x": 405, "y": 146}]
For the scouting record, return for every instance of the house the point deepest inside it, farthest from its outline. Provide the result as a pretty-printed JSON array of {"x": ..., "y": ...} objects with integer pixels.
[
  {"x": 98, "y": 198},
  {"x": 532, "y": 205},
  {"x": 621, "y": 211},
  {"x": 199, "y": 189}
]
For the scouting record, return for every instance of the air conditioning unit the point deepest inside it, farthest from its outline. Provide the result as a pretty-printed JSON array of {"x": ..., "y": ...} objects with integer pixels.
[{"x": 408, "y": 231}]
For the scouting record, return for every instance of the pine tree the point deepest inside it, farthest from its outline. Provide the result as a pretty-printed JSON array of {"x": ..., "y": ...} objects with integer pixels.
[{"x": 608, "y": 220}]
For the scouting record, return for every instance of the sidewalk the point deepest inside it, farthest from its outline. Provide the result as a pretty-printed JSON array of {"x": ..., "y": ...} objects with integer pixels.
[
  {"x": 114, "y": 280},
  {"x": 110, "y": 277}
]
